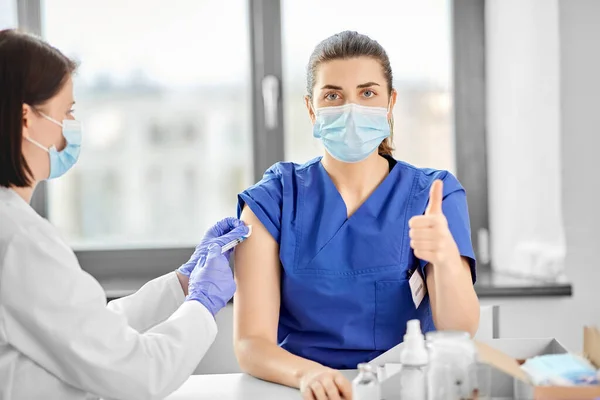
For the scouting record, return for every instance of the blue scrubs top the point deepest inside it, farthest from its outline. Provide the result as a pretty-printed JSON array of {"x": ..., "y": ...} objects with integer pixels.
[{"x": 345, "y": 295}]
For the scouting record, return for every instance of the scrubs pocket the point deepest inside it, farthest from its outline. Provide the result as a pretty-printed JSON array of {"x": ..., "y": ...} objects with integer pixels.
[{"x": 394, "y": 306}]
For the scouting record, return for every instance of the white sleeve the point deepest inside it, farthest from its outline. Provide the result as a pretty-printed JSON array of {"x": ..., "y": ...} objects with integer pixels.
[
  {"x": 55, "y": 314},
  {"x": 152, "y": 304}
]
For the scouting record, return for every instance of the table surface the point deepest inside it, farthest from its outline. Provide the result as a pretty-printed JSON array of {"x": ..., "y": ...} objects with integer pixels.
[{"x": 236, "y": 387}]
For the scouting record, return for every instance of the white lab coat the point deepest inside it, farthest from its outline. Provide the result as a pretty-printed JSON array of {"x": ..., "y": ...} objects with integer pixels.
[{"x": 59, "y": 339}]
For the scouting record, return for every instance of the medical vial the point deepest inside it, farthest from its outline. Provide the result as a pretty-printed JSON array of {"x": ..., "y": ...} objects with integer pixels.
[
  {"x": 452, "y": 366},
  {"x": 366, "y": 385},
  {"x": 414, "y": 359}
]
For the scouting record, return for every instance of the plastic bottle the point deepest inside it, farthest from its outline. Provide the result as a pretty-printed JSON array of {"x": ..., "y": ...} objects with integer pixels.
[{"x": 414, "y": 359}]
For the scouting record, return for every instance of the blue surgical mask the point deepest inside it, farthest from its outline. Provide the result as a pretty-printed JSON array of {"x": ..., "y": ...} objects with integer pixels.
[
  {"x": 62, "y": 161},
  {"x": 351, "y": 132},
  {"x": 560, "y": 369}
]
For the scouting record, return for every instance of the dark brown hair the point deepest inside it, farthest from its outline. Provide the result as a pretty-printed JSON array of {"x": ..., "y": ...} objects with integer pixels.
[
  {"x": 31, "y": 72},
  {"x": 349, "y": 44}
]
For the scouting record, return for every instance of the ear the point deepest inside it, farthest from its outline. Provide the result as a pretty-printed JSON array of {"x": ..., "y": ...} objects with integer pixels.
[
  {"x": 393, "y": 98},
  {"x": 27, "y": 116},
  {"x": 310, "y": 109}
]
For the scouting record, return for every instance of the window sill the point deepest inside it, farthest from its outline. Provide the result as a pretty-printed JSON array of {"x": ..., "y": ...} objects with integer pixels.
[
  {"x": 116, "y": 288},
  {"x": 491, "y": 284}
]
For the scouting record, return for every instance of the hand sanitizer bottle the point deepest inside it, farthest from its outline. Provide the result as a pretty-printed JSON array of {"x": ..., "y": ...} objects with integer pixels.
[{"x": 414, "y": 359}]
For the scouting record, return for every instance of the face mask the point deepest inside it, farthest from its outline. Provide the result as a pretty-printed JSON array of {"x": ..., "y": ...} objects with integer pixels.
[
  {"x": 351, "y": 132},
  {"x": 560, "y": 369},
  {"x": 62, "y": 161}
]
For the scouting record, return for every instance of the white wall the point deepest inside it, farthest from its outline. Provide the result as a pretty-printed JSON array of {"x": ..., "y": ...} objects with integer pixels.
[{"x": 579, "y": 90}]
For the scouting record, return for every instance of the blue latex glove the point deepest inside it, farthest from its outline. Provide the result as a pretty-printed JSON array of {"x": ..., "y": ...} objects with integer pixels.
[
  {"x": 220, "y": 234},
  {"x": 212, "y": 284}
]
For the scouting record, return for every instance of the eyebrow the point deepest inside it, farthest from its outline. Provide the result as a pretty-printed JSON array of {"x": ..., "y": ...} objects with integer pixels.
[
  {"x": 333, "y": 87},
  {"x": 366, "y": 85},
  {"x": 361, "y": 86}
]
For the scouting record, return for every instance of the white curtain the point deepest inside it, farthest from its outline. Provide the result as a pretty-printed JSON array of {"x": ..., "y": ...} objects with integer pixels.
[
  {"x": 524, "y": 137},
  {"x": 8, "y": 14}
]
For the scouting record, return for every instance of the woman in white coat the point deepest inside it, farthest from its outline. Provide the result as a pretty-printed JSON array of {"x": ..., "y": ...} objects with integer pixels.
[{"x": 58, "y": 338}]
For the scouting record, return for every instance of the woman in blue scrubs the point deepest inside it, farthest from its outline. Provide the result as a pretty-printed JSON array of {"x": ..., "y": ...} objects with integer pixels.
[{"x": 340, "y": 245}]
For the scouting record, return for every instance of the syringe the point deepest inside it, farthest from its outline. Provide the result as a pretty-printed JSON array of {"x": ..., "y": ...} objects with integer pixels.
[{"x": 235, "y": 242}]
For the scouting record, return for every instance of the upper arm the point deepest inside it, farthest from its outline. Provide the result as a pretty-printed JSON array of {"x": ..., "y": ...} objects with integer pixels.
[{"x": 257, "y": 274}]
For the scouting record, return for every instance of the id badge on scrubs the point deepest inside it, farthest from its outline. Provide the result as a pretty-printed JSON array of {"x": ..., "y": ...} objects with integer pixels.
[{"x": 417, "y": 287}]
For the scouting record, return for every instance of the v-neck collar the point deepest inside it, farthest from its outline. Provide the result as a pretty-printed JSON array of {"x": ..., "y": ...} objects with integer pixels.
[{"x": 373, "y": 203}]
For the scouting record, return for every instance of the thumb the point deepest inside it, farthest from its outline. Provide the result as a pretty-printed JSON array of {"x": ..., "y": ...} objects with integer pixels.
[
  {"x": 236, "y": 233},
  {"x": 435, "y": 198}
]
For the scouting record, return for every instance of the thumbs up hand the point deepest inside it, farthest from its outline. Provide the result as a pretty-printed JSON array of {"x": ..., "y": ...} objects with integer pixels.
[{"x": 430, "y": 237}]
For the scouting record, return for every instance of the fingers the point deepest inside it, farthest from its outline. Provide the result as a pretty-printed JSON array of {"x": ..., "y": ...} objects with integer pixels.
[
  {"x": 327, "y": 385},
  {"x": 308, "y": 394},
  {"x": 431, "y": 239},
  {"x": 214, "y": 251},
  {"x": 213, "y": 256},
  {"x": 429, "y": 256},
  {"x": 227, "y": 224},
  {"x": 236, "y": 233},
  {"x": 344, "y": 386},
  {"x": 424, "y": 245},
  {"x": 223, "y": 227},
  {"x": 425, "y": 234},
  {"x": 318, "y": 391},
  {"x": 427, "y": 221},
  {"x": 331, "y": 389}
]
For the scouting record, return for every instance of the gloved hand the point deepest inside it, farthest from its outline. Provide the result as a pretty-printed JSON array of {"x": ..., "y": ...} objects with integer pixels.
[
  {"x": 212, "y": 284},
  {"x": 220, "y": 234}
]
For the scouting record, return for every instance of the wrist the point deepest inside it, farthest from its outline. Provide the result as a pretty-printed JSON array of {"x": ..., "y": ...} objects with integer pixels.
[
  {"x": 204, "y": 300},
  {"x": 184, "y": 281},
  {"x": 450, "y": 264},
  {"x": 306, "y": 371}
]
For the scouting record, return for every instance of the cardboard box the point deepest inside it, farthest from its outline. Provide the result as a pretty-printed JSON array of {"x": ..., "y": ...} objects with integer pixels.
[{"x": 508, "y": 380}]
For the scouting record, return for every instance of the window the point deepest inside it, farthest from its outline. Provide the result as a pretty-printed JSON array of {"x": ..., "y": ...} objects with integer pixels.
[
  {"x": 8, "y": 14},
  {"x": 157, "y": 88},
  {"x": 187, "y": 103},
  {"x": 417, "y": 37}
]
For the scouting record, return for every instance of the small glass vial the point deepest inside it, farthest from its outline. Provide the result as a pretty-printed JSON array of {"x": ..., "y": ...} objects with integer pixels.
[
  {"x": 452, "y": 366},
  {"x": 366, "y": 385}
]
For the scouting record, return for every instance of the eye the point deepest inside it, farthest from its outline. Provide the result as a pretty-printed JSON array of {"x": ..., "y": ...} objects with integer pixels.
[
  {"x": 332, "y": 96},
  {"x": 368, "y": 93}
]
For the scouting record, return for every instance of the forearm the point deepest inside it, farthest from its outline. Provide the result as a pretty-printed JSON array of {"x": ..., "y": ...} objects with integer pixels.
[
  {"x": 266, "y": 360},
  {"x": 455, "y": 305},
  {"x": 152, "y": 303},
  {"x": 184, "y": 281}
]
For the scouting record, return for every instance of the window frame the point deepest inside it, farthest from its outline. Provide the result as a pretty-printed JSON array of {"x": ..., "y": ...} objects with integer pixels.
[{"x": 468, "y": 50}]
